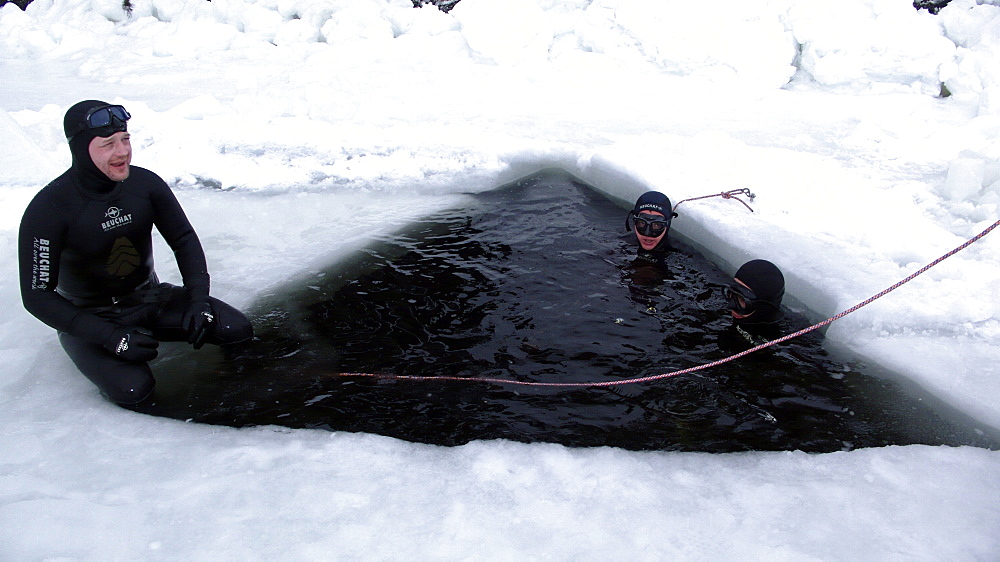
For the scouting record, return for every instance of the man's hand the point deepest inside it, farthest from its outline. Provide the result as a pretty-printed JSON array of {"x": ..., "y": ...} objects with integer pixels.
[
  {"x": 132, "y": 344},
  {"x": 198, "y": 321}
]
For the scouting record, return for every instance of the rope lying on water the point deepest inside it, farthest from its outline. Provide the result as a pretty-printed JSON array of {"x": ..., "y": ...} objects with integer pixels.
[{"x": 734, "y": 357}]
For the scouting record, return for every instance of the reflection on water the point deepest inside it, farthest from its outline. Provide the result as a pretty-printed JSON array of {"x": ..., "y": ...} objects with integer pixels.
[{"x": 535, "y": 282}]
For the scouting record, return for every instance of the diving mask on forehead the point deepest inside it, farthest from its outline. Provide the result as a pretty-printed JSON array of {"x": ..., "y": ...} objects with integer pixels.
[{"x": 103, "y": 120}]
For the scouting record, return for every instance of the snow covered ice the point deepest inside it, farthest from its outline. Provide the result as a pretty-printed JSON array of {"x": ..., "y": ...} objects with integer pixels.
[{"x": 286, "y": 127}]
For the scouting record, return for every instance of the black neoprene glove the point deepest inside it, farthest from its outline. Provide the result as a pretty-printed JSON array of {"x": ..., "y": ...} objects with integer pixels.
[
  {"x": 132, "y": 344},
  {"x": 197, "y": 321}
]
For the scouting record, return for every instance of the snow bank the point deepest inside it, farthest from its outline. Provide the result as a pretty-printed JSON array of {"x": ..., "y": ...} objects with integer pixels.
[{"x": 287, "y": 127}]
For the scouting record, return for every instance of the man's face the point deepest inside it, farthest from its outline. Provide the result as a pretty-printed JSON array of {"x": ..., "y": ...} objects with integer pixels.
[
  {"x": 112, "y": 155},
  {"x": 649, "y": 242}
]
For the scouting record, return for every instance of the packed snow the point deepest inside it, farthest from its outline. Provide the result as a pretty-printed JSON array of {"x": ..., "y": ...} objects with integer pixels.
[{"x": 293, "y": 131}]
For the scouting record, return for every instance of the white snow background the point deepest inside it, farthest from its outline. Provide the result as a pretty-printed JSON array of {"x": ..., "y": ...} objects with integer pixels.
[{"x": 293, "y": 131}]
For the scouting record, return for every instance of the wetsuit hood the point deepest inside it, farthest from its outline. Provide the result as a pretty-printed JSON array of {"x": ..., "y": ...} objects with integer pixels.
[
  {"x": 766, "y": 281},
  {"x": 654, "y": 201},
  {"x": 91, "y": 177}
]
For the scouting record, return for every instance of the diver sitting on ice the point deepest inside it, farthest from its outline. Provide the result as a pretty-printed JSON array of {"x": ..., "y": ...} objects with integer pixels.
[
  {"x": 754, "y": 299},
  {"x": 650, "y": 223},
  {"x": 85, "y": 253}
]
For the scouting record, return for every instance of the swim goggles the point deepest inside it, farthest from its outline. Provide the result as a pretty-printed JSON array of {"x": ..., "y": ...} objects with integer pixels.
[
  {"x": 650, "y": 225},
  {"x": 740, "y": 298},
  {"x": 105, "y": 120}
]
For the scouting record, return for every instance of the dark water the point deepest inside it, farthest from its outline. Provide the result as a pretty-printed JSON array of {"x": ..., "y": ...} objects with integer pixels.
[{"x": 535, "y": 281}]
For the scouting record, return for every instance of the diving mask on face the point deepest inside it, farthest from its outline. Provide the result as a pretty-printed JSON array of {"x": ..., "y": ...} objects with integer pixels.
[
  {"x": 741, "y": 299},
  {"x": 651, "y": 225}
]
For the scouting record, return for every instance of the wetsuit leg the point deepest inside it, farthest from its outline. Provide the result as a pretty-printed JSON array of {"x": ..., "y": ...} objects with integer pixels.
[
  {"x": 228, "y": 326},
  {"x": 123, "y": 382}
]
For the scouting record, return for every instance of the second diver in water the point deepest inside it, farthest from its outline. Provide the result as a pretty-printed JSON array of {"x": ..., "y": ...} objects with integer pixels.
[{"x": 754, "y": 299}]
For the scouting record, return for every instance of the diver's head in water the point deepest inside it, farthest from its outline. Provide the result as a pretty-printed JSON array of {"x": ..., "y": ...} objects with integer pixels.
[
  {"x": 651, "y": 218},
  {"x": 98, "y": 138},
  {"x": 755, "y": 294}
]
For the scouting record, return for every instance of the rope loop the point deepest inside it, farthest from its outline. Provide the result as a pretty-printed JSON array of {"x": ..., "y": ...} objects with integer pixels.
[{"x": 731, "y": 194}]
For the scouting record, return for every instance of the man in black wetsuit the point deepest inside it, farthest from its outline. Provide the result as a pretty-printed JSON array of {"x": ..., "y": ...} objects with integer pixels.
[
  {"x": 85, "y": 253},
  {"x": 650, "y": 222},
  {"x": 754, "y": 298}
]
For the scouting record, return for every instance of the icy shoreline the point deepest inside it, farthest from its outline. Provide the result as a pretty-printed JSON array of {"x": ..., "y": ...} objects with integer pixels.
[{"x": 286, "y": 130}]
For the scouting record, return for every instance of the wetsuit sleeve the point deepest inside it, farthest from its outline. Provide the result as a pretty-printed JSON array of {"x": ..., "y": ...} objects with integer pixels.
[
  {"x": 41, "y": 240},
  {"x": 173, "y": 224}
]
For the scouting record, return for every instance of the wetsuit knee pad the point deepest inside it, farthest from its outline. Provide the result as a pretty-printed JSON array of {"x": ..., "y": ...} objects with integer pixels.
[
  {"x": 228, "y": 324},
  {"x": 131, "y": 390},
  {"x": 231, "y": 325},
  {"x": 120, "y": 381}
]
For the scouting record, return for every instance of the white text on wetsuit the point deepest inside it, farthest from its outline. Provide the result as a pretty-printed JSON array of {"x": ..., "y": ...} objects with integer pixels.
[
  {"x": 116, "y": 220},
  {"x": 40, "y": 271}
]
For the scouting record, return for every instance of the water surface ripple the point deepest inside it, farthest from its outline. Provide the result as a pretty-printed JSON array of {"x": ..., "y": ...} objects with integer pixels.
[{"x": 535, "y": 281}]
